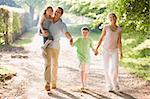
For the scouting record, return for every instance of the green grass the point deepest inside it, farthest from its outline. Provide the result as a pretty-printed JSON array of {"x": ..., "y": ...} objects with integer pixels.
[
  {"x": 4, "y": 70},
  {"x": 136, "y": 54},
  {"x": 27, "y": 37}
]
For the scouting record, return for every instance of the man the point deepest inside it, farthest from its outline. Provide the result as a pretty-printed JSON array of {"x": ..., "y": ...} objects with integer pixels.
[{"x": 57, "y": 28}]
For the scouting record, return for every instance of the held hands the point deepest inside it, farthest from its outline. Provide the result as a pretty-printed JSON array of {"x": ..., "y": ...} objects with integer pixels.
[
  {"x": 71, "y": 41},
  {"x": 96, "y": 52}
]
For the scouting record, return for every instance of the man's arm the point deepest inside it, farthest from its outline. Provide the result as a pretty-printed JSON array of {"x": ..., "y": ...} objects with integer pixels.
[{"x": 69, "y": 37}]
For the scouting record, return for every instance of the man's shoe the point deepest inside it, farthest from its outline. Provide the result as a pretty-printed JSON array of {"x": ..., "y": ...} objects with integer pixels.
[
  {"x": 53, "y": 86},
  {"x": 47, "y": 87}
]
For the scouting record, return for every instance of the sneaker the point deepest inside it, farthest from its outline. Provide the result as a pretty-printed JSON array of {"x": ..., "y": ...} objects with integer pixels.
[
  {"x": 116, "y": 88},
  {"x": 47, "y": 87},
  {"x": 82, "y": 89},
  {"x": 109, "y": 88},
  {"x": 53, "y": 86}
]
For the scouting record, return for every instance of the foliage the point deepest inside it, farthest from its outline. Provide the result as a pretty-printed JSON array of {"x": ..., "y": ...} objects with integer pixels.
[
  {"x": 11, "y": 24},
  {"x": 32, "y": 6},
  {"x": 133, "y": 14},
  {"x": 10, "y": 3}
]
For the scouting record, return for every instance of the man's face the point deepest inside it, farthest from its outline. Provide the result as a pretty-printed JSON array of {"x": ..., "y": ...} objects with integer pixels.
[{"x": 58, "y": 13}]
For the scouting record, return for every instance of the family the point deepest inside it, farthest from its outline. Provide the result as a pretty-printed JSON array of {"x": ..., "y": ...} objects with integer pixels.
[{"x": 52, "y": 28}]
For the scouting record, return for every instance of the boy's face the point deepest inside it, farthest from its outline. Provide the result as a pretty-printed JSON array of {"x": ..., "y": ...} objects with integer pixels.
[{"x": 85, "y": 33}]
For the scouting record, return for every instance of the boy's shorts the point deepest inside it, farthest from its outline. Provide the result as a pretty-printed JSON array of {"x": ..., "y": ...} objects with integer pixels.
[{"x": 84, "y": 67}]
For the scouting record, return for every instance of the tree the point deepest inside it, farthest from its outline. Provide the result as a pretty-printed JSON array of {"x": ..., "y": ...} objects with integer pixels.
[
  {"x": 10, "y": 3},
  {"x": 32, "y": 5}
]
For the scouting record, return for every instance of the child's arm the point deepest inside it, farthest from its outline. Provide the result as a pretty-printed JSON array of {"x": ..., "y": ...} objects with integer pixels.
[
  {"x": 91, "y": 45},
  {"x": 100, "y": 40},
  {"x": 120, "y": 46},
  {"x": 40, "y": 24}
]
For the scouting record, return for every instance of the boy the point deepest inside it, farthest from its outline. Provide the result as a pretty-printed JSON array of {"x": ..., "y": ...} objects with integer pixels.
[{"x": 83, "y": 45}]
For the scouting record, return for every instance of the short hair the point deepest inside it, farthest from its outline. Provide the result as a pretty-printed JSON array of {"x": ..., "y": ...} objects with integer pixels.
[
  {"x": 85, "y": 28},
  {"x": 62, "y": 10}
]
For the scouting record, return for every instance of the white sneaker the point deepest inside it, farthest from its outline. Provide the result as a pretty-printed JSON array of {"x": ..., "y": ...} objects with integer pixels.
[
  {"x": 116, "y": 88},
  {"x": 109, "y": 88}
]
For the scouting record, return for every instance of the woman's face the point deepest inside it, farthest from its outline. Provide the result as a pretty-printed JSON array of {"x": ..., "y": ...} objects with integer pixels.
[
  {"x": 49, "y": 12},
  {"x": 112, "y": 19}
]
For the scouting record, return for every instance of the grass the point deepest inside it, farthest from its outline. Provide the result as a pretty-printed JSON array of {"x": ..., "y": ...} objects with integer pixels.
[
  {"x": 4, "y": 71},
  {"x": 26, "y": 37},
  {"x": 136, "y": 54}
]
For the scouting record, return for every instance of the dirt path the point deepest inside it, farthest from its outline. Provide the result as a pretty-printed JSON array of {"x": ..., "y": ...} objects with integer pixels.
[{"x": 29, "y": 82}]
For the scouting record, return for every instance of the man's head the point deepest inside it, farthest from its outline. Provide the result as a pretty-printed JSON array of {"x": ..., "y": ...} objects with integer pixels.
[
  {"x": 85, "y": 32},
  {"x": 59, "y": 12}
]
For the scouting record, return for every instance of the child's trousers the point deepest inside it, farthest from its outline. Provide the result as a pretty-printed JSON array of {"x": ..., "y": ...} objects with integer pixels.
[{"x": 110, "y": 58}]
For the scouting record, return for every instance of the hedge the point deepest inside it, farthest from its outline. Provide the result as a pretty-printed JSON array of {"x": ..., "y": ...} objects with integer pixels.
[{"x": 13, "y": 23}]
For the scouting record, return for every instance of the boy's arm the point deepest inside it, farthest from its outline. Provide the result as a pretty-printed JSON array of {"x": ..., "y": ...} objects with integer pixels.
[{"x": 91, "y": 45}]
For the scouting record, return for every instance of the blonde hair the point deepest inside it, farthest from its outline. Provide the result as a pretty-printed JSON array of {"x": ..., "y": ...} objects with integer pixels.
[{"x": 114, "y": 15}]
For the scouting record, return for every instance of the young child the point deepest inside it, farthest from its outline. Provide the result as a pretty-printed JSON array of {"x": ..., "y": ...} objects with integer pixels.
[
  {"x": 44, "y": 23},
  {"x": 111, "y": 35},
  {"x": 83, "y": 45}
]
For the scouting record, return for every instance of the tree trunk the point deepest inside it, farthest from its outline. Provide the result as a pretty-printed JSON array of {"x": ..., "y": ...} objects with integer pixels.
[
  {"x": 6, "y": 36},
  {"x": 6, "y": 33},
  {"x": 31, "y": 14}
]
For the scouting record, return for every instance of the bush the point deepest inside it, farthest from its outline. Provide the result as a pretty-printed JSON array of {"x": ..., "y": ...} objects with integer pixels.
[{"x": 13, "y": 22}]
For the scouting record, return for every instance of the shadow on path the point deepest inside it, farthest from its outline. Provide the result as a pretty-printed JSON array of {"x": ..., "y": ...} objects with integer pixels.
[
  {"x": 71, "y": 96},
  {"x": 56, "y": 96},
  {"x": 123, "y": 95},
  {"x": 95, "y": 94}
]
